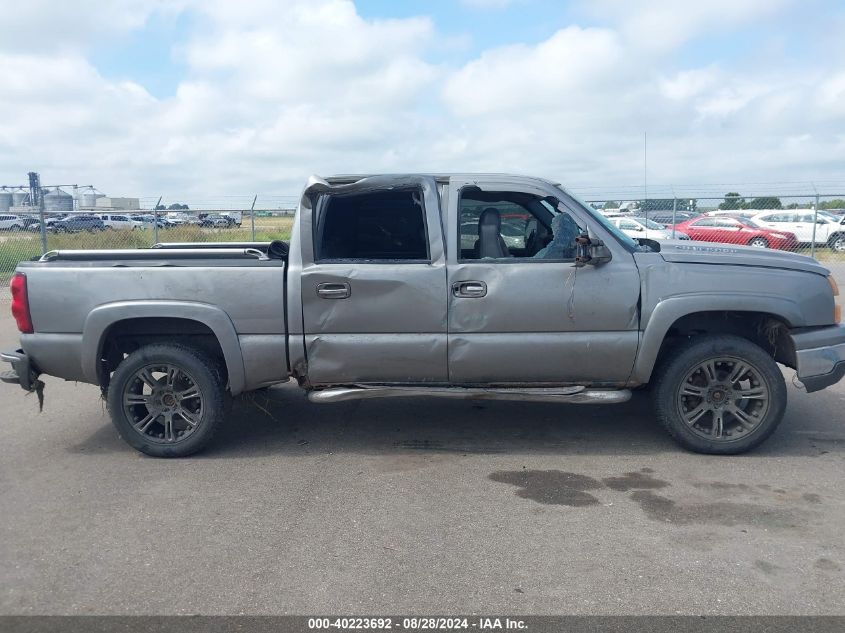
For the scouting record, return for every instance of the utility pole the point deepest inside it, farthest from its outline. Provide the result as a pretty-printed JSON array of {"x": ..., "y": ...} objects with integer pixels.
[
  {"x": 645, "y": 168},
  {"x": 252, "y": 216},
  {"x": 155, "y": 221},
  {"x": 36, "y": 197}
]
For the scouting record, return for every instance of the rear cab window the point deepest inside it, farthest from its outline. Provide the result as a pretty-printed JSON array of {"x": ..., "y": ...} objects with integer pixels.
[{"x": 376, "y": 226}]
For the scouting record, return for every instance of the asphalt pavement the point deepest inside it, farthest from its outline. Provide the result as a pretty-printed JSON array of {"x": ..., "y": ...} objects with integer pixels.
[{"x": 417, "y": 506}]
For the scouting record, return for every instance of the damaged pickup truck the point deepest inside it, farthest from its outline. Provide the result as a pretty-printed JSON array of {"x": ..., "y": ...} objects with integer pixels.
[{"x": 450, "y": 286}]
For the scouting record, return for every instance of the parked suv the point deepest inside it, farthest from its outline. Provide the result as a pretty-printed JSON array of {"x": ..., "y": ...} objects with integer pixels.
[
  {"x": 76, "y": 223},
  {"x": 115, "y": 221},
  {"x": 829, "y": 229}
]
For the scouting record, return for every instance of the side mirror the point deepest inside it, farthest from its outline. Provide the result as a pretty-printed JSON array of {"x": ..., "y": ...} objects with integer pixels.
[{"x": 590, "y": 250}]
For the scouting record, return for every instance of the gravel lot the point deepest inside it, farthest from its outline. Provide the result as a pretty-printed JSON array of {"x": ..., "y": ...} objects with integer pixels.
[{"x": 417, "y": 507}]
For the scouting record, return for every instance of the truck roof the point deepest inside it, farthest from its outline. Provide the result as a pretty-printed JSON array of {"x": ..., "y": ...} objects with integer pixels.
[{"x": 342, "y": 179}]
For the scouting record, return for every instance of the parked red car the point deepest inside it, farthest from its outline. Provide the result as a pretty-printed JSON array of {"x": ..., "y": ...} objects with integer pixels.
[{"x": 737, "y": 230}]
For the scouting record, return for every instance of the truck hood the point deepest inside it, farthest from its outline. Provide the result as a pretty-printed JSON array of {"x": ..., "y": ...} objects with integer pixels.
[{"x": 729, "y": 255}]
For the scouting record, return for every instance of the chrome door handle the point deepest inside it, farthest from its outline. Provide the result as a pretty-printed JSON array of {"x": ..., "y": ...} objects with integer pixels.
[
  {"x": 469, "y": 289},
  {"x": 333, "y": 290}
]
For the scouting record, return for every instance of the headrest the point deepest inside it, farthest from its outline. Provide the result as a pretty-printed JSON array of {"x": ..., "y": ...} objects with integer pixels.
[{"x": 490, "y": 218}]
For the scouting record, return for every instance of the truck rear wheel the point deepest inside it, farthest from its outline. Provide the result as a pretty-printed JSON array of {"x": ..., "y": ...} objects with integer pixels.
[
  {"x": 719, "y": 394},
  {"x": 167, "y": 400}
]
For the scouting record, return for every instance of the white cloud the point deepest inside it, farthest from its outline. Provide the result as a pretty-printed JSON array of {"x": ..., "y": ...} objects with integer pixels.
[
  {"x": 662, "y": 25},
  {"x": 57, "y": 25},
  {"x": 689, "y": 83},
  {"x": 572, "y": 62},
  {"x": 275, "y": 91}
]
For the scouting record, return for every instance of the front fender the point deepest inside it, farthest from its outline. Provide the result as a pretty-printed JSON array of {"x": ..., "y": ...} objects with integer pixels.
[
  {"x": 104, "y": 316},
  {"x": 669, "y": 310}
]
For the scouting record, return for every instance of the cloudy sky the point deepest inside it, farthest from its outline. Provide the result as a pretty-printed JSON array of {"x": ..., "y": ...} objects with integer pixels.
[{"x": 212, "y": 97}]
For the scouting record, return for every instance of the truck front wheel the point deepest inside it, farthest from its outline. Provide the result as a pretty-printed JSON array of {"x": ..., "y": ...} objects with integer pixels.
[
  {"x": 167, "y": 400},
  {"x": 719, "y": 394}
]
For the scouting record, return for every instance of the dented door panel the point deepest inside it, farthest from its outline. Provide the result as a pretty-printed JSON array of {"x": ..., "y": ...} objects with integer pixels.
[
  {"x": 391, "y": 327},
  {"x": 545, "y": 322},
  {"x": 541, "y": 321},
  {"x": 376, "y": 321}
]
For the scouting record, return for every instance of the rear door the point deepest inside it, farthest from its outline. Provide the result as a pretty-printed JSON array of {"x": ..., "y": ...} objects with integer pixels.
[
  {"x": 531, "y": 316},
  {"x": 730, "y": 231},
  {"x": 373, "y": 282},
  {"x": 703, "y": 230},
  {"x": 809, "y": 221},
  {"x": 786, "y": 221}
]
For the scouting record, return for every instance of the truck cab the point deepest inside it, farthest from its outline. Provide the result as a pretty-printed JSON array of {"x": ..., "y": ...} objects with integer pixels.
[{"x": 386, "y": 261}]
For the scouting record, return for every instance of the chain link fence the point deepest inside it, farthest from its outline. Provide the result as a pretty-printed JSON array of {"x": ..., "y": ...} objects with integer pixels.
[
  {"x": 26, "y": 234},
  {"x": 798, "y": 221},
  {"x": 808, "y": 224}
]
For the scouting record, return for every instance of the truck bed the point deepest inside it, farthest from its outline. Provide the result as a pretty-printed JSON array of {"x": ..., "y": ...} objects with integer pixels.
[{"x": 76, "y": 296}]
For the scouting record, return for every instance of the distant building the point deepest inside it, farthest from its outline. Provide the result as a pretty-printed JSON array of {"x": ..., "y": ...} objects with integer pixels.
[{"x": 123, "y": 204}]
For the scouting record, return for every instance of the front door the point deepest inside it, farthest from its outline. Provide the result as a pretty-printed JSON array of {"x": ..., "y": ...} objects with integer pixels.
[
  {"x": 374, "y": 283},
  {"x": 521, "y": 312}
]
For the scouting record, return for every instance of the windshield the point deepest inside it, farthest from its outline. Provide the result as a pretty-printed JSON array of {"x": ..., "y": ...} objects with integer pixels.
[{"x": 649, "y": 224}]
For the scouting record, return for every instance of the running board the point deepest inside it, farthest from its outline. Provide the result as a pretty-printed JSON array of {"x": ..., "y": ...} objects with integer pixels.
[{"x": 567, "y": 395}]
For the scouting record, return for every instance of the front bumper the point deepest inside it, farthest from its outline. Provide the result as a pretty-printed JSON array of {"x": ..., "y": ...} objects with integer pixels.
[
  {"x": 820, "y": 356},
  {"x": 22, "y": 371}
]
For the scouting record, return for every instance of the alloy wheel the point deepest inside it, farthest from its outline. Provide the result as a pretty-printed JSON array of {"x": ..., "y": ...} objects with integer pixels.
[
  {"x": 163, "y": 403},
  {"x": 723, "y": 399}
]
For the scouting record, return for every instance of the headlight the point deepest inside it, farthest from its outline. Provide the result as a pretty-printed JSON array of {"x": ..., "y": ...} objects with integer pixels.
[{"x": 837, "y": 309}]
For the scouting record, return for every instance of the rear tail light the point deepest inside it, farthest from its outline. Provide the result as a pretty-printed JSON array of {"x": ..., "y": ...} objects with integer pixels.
[
  {"x": 837, "y": 309},
  {"x": 20, "y": 303}
]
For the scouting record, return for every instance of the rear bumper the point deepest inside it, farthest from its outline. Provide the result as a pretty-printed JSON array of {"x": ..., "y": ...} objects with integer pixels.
[
  {"x": 22, "y": 371},
  {"x": 820, "y": 356}
]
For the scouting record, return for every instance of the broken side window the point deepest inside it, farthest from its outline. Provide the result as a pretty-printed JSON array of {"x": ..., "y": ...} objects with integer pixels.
[
  {"x": 507, "y": 225},
  {"x": 378, "y": 225}
]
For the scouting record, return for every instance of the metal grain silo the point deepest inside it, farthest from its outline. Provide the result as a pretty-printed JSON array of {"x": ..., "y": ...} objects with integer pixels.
[
  {"x": 89, "y": 199},
  {"x": 20, "y": 197},
  {"x": 58, "y": 201},
  {"x": 5, "y": 200}
]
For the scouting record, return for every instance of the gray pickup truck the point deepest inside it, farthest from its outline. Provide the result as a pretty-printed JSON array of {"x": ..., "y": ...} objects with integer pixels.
[{"x": 451, "y": 286}]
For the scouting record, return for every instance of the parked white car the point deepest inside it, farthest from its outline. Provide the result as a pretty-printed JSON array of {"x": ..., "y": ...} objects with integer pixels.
[
  {"x": 119, "y": 221},
  {"x": 829, "y": 228},
  {"x": 12, "y": 223},
  {"x": 641, "y": 227}
]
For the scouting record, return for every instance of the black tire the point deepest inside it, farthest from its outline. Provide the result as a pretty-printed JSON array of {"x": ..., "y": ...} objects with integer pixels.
[
  {"x": 675, "y": 375},
  {"x": 198, "y": 370},
  {"x": 15, "y": 227},
  {"x": 759, "y": 242},
  {"x": 837, "y": 242}
]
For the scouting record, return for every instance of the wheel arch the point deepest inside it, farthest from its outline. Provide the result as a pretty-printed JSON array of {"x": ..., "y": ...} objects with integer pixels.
[
  {"x": 211, "y": 328},
  {"x": 764, "y": 320}
]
